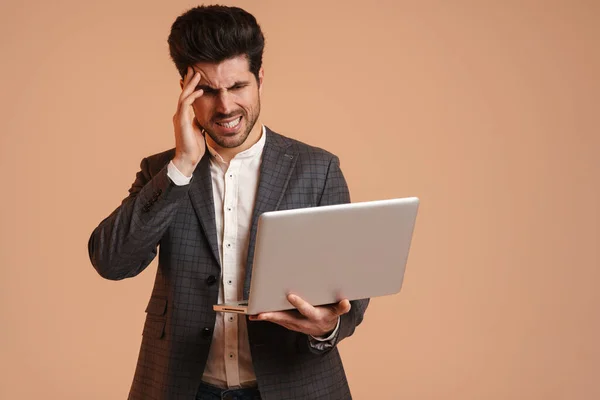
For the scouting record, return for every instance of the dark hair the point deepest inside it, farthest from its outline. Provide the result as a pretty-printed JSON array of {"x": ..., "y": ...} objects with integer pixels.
[{"x": 214, "y": 34}]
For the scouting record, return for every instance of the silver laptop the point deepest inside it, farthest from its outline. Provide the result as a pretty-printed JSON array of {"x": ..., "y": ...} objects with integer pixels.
[{"x": 330, "y": 253}]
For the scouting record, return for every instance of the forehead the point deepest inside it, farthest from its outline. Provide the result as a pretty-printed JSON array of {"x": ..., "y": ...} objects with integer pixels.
[{"x": 225, "y": 73}]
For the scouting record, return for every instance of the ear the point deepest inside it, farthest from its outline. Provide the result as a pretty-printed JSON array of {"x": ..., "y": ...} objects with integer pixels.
[
  {"x": 181, "y": 83},
  {"x": 261, "y": 76}
]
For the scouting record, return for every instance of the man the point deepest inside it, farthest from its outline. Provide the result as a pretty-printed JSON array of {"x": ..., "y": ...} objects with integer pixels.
[{"x": 200, "y": 203}]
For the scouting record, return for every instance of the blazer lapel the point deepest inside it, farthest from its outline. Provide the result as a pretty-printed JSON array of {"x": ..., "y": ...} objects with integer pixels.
[
  {"x": 201, "y": 195},
  {"x": 278, "y": 161}
]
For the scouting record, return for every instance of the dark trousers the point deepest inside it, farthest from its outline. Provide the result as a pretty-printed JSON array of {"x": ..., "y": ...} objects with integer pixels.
[{"x": 209, "y": 392}]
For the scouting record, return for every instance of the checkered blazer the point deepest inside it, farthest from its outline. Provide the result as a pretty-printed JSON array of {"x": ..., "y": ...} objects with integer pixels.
[{"x": 181, "y": 221}]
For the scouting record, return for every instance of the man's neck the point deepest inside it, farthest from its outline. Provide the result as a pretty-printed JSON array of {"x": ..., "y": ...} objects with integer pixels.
[{"x": 228, "y": 153}]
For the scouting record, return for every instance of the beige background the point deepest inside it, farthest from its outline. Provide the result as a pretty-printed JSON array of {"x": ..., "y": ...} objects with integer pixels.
[{"x": 488, "y": 111}]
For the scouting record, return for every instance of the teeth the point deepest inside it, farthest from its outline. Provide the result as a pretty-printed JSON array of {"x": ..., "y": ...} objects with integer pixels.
[{"x": 231, "y": 124}]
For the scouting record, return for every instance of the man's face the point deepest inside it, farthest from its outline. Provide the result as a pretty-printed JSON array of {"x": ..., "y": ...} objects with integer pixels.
[{"x": 230, "y": 105}]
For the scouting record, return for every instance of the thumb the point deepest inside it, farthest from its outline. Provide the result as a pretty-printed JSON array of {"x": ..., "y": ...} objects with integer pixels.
[
  {"x": 342, "y": 307},
  {"x": 197, "y": 125}
]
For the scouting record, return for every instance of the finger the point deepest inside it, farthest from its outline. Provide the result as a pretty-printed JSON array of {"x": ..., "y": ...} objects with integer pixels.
[
  {"x": 342, "y": 307},
  {"x": 189, "y": 116},
  {"x": 288, "y": 319},
  {"x": 275, "y": 316},
  {"x": 271, "y": 316},
  {"x": 189, "y": 100},
  {"x": 257, "y": 317},
  {"x": 303, "y": 307},
  {"x": 188, "y": 76},
  {"x": 191, "y": 85}
]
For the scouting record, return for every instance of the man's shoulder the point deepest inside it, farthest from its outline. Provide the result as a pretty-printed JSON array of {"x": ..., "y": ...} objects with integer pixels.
[{"x": 304, "y": 150}]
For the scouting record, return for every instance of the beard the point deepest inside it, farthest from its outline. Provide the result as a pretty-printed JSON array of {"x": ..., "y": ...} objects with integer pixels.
[{"x": 230, "y": 142}]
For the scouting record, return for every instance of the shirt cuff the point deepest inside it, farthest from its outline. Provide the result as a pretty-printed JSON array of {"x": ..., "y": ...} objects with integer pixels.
[
  {"x": 330, "y": 337},
  {"x": 176, "y": 176}
]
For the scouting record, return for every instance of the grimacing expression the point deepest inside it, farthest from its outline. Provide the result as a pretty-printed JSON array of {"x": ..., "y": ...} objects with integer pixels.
[{"x": 230, "y": 105}]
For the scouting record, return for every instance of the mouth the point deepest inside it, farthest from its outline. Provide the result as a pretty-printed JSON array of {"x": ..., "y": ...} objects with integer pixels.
[{"x": 229, "y": 126}]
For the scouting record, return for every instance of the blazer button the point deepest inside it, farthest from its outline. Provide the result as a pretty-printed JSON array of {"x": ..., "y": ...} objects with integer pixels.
[
  {"x": 211, "y": 280},
  {"x": 206, "y": 332}
]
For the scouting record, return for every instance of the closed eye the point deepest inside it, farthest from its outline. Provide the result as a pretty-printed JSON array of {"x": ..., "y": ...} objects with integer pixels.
[
  {"x": 213, "y": 91},
  {"x": 238, "y": 86},
  {"x": 207, "y": 89}
]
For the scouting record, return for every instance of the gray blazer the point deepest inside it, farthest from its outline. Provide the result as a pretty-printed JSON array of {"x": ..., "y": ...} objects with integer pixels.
[{"x": 179, "y": 323}]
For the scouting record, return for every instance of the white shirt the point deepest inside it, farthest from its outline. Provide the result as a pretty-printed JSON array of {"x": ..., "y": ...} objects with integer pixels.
[{"x": 234, "y": 186}]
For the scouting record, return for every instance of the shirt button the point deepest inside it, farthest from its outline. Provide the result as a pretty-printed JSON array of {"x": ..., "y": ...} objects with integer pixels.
[
  {"x": 229, "y": 282},
  {"x": 231, "y": 318},
  {"x": 231, "y": 355},
  {"x": 228, "y": 208},
  {"x": 228, "y": 245}
]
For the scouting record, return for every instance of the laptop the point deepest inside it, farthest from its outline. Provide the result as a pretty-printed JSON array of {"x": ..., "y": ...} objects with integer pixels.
[{"x": 329, "y": 253}]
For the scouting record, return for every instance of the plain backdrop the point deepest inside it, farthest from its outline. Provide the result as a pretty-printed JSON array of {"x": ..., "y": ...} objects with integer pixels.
[{"x": 486, "y": 110}]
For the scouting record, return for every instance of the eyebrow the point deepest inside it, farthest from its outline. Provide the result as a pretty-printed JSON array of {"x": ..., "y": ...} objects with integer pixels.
[{"x": 208, "y": 88}]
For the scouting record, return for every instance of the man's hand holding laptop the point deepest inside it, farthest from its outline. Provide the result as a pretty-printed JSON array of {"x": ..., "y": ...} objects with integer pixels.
[{"x": 316, "y": 321}]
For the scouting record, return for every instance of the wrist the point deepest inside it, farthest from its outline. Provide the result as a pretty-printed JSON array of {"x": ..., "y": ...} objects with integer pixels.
[
  {"x": 184, "y": 165},
  {"x": 330, "y": 334},
  {"x": 329, "y": 330}
]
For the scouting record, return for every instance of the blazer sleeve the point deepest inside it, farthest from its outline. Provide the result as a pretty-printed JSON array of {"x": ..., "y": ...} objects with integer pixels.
[
  {"x": 126, "y": 241},
  {"x": 335, "y": 191}
]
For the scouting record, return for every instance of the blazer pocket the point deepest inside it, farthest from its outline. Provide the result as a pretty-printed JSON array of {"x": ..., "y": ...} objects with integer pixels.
[
  {"x": 157, "y": 306},
  {"x": 154, "y": 326}
]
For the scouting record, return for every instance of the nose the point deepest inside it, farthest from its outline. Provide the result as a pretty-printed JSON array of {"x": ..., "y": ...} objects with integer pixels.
[{"x": 224, "y": 103}]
